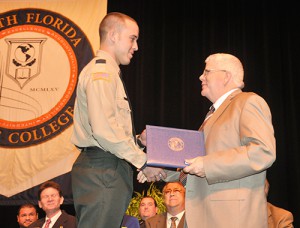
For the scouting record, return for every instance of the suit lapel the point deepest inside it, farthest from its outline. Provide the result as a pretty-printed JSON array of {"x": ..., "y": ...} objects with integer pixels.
[
  {"x": 181, "y": 222},
  {"x": 163, "y": 221},
  {"x": 60, "y": 221},
  {"x": 220, "y": 111},
  {"x": 39, "y": 223}
]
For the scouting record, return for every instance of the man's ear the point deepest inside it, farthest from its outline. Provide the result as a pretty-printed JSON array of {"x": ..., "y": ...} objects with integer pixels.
[
  {"x": 113, "y": 35},
  {"x": 227, "y": 78},
  {"x": 61, "y": 200},
  {"x": 40, "y": 204}
]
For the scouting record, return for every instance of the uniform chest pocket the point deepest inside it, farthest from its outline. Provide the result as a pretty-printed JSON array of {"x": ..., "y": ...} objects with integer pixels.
[{"x": 123, "y": 113}]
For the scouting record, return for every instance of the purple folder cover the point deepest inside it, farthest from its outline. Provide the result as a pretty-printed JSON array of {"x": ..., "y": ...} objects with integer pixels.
[{"x": 169, "y": 147}]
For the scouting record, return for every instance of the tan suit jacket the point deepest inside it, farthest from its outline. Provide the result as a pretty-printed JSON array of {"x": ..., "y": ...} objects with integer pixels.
[
  {"x": 160, "y": 221},
  {"x": 240, "y": 146},
  {"x": 279, "y": 218}
]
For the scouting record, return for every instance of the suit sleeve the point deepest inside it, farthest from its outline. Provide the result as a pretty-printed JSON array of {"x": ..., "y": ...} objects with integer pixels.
[{"x": 241, "y": 142}]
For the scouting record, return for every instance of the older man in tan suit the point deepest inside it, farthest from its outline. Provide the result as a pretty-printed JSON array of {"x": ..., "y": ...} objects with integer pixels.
[{"x": 225, "y": 188}]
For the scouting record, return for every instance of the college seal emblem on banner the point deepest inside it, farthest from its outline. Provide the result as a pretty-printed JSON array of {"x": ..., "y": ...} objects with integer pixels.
[{"x": 41, "y": 55}]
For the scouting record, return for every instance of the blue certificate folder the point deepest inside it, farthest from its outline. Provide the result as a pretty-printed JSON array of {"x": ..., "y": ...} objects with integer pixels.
[{"x": 169, "y": 147}]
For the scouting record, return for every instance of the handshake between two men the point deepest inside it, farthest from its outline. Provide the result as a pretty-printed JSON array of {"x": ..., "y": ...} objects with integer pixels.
[{"x": 151, "y": 174}]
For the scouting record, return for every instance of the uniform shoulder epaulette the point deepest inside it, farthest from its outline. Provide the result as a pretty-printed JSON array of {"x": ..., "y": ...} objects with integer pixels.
[{"x": 100, "y": 61}]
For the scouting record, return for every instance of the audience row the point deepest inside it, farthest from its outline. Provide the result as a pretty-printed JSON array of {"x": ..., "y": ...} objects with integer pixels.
[{"x": 50, "y": 198}]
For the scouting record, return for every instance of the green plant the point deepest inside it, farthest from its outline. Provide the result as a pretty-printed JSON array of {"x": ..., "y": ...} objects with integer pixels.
[{"x": 153, "y": 191}]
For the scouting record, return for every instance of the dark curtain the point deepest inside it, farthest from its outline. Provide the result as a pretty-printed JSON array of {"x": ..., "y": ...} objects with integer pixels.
[{"x": 176, "y": 37}]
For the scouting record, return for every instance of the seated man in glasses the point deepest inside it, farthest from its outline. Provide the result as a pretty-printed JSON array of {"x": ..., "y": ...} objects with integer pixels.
[
  {"x": 174, "y": 199},
  {"x": 50, "y": 198}
]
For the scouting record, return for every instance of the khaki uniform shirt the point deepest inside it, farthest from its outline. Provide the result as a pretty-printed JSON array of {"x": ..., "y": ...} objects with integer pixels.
[{"x": 102, "y": 115}]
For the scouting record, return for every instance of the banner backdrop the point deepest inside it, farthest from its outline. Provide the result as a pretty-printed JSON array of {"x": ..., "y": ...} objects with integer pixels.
[{"x": 44, "y": 44}]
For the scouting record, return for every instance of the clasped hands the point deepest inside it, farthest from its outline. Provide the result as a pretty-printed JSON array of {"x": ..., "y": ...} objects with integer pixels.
[{"x": 151, "y": 174}]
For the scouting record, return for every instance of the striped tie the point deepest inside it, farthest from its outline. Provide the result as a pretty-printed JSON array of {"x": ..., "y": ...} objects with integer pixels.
[
  {"x": 47, "y": 223},
  {"x": 182, "y": 177},
  {"x": 173, "y": 223},
  {"x": 208, "y": 115}
]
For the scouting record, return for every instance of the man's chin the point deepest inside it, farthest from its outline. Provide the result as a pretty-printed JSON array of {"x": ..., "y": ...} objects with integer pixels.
[
  {"x": 26, "y": 224},
  {"x": 126, "y": 62}
]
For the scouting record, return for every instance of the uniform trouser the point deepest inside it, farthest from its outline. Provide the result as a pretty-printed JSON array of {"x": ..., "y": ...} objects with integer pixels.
[{"x": 102, "y": 187}]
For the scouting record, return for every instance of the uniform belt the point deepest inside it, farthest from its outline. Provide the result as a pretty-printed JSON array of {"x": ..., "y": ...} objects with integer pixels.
[{"x": 85, "y": 149}]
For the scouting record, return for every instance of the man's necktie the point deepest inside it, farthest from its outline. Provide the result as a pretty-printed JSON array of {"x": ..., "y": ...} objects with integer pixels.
[
  {"x": 127, "y": 98},
  {"x": 182, "y": 178},
  {"x": 48, "y": 223},
  {"x": 173, "y": 222},
  {"x": 182, "y": 175},
  {"x": 208, "y": 115}
]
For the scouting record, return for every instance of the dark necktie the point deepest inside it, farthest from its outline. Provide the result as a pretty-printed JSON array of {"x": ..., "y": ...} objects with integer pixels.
[
  {"x": 182, "y": 175},
  {"x": 208, "y": 115},
  {"x": 173, "y": 223},
  {"x": 127, "y": 98}
]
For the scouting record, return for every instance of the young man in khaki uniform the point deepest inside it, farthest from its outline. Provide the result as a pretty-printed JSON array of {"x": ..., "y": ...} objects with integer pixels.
[{"x": 102, "y": 176}]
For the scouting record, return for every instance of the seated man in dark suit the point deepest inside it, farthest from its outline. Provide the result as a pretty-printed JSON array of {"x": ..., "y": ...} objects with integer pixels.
[
  {"x": 50, "y": 198},
  {"x": 174, "y": 199},
  {"x": 147, "y": 209},
  {"x": 27, "y": 214},
  {"x": 278, "y": 217}
]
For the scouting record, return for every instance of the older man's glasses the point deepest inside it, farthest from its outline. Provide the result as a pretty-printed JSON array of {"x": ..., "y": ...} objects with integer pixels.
[
  {"x": 206, "y": 72},
  {"x": 175, "y": 191}
]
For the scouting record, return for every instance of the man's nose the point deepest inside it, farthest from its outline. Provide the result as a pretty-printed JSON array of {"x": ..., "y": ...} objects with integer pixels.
[
  {"x": 135, "y": 46},
  {"x": 201, "y": 77}
]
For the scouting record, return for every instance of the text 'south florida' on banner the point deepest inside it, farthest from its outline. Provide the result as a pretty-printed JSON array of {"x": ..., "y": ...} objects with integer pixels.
[{"x": 43, "y": 47}]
